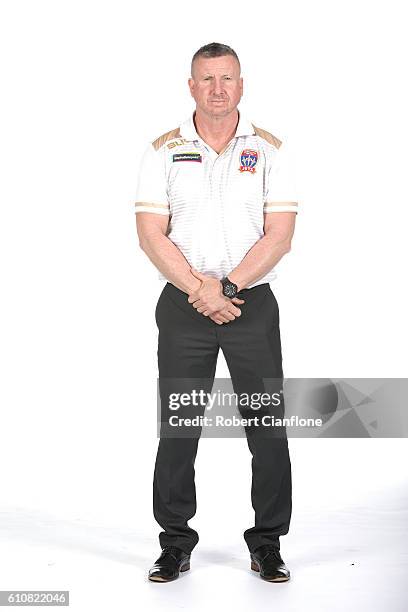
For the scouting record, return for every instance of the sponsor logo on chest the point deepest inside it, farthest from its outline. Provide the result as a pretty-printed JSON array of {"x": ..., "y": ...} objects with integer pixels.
[{"x": 187, "y": 157}]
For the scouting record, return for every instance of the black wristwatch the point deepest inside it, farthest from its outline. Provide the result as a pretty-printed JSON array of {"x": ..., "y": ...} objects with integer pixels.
[{"x": 229, "y": 288}]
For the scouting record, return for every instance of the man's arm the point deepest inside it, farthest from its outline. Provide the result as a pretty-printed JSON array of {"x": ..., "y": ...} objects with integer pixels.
[
  {"x": 167, "y": 258},
  {"x": 260, "y": 259},
  {"x": 163, "y": 253},
  {"x": 265, "y": 254}
]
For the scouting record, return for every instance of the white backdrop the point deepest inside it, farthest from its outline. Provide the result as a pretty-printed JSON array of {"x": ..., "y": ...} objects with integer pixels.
[{"x": 85, "y": 86}]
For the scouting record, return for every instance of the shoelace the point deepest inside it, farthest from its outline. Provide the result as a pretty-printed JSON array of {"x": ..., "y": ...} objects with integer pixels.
[
  {"x": 272, "y": 550},
  {"x": 170, "y": 550}
]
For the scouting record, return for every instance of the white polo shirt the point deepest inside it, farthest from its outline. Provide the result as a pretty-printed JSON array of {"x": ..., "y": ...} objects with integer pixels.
[{"x": 216, "y": 202}]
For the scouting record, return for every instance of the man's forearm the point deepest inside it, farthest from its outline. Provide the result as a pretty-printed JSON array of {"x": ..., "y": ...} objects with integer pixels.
[
  {"x": 259, "y": 260},
  {"x": 167, "y": 258}
]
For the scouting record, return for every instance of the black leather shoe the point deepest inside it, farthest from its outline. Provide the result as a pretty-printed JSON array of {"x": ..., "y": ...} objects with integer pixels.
[
  {"x": 167, "y": 567},
  {"x": 267, "y": 561}
]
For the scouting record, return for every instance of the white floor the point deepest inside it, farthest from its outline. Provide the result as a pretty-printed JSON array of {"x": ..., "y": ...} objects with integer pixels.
[{"x": 354, "y": 557}]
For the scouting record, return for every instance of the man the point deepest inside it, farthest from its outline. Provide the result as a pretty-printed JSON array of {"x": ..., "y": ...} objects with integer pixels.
[{"x": 216, "y": 211}]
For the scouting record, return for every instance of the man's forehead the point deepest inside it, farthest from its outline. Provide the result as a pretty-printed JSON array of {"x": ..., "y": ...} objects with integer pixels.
[{"x": 216, "y": 65}]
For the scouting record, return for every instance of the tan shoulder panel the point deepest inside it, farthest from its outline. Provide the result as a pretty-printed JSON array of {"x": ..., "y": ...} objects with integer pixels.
[
  {"x": 267, "y": 136},
  {"x": 159, "y": 142}
]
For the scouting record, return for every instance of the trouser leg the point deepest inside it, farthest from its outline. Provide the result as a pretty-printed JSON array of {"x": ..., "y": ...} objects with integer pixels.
[
  {"x": 252, "y": 348},
  {"x": 187, "y": 357}
]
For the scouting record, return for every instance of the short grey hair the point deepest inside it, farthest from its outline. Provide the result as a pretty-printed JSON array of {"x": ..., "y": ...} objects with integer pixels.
[{"x": 214, "y": 49}]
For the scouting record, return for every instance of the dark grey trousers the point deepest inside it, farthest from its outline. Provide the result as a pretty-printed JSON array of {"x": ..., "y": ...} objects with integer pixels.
[{"x": 188, "y": 348}]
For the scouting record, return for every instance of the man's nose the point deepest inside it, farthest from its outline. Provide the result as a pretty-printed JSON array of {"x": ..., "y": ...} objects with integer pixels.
[{"x": 218, "y": 86}]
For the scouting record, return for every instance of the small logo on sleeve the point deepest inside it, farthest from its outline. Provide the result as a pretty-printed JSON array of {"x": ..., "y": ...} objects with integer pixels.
[
  {"x": 177, "y": 143},
  {"x": 185, "y": 157},
  {"x": 248, "y": 160}
]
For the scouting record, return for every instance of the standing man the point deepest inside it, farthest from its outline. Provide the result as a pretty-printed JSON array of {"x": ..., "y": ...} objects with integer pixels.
[{"x": 216, "y": 211}]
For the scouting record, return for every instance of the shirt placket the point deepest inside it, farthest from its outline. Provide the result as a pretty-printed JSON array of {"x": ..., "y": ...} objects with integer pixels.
[{"x": 215, "y": 192}]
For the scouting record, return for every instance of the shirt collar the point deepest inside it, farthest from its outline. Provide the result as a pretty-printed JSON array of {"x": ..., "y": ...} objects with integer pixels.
[{"x": 189, "y": 132}]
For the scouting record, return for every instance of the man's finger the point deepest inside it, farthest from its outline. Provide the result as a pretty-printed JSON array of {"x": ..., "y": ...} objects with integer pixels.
[
  {"x": 223, "y": 317},
  {"x": 234, "y": 310},
  {"x": 216, "y": 320}
]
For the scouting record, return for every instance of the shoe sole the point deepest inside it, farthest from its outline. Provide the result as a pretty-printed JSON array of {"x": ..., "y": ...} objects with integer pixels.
[
  {"x": 161, "y": 579},
  {"x": 255, "y": 567}
]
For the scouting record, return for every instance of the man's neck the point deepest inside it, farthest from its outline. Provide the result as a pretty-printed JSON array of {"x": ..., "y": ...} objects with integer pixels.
[{"x": 216, "y": 129}]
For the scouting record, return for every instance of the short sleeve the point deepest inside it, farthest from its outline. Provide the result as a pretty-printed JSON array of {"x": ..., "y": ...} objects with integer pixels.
[
  {"x": 151, "y": 194},
  {"x": 281, "y": 194}
]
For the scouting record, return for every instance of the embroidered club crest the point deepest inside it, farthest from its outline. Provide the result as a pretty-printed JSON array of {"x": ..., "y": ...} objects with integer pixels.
[{"x": 248, "y": 160}]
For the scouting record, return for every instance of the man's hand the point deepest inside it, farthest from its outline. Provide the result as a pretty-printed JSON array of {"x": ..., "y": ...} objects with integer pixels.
[
  {"x": 209, "y": 300},
  {"x": 209, "y": 297},
  {"x": 225, "y": 316}
]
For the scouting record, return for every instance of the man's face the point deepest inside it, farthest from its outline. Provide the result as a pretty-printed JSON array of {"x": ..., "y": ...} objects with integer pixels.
[{"x": 216, "y": 85}]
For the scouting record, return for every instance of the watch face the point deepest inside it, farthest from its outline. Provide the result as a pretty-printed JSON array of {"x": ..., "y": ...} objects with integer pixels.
[{"x": 229, "y": 290}]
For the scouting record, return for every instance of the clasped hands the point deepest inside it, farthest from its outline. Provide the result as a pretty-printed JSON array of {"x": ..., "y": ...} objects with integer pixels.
[{"x": 209, "y": 300}]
